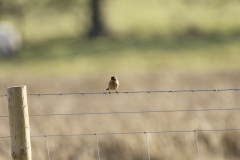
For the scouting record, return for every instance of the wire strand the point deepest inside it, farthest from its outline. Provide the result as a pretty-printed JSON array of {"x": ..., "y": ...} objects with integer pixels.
[
  {"x": 47, "y": 147},
  {"x": 98, "y": 151},
  {"x": 147, "y": 146},
  {"x": 124, "y": 133},
  {"x": 130, "y": 112},
  {"x": 130, "y": 92},
  {"x": 196, "y": 137},
  {"x": 5, "y": 137}
]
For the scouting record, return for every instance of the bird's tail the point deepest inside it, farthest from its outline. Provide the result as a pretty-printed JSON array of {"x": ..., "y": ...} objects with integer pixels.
[{"x": 107, "y": 89}]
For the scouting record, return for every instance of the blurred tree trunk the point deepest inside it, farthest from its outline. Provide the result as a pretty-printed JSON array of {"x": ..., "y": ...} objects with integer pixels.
[{"x": 97, "y": 24}]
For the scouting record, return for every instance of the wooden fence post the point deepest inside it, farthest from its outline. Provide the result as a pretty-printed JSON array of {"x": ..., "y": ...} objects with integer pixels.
[{"x": 19, "y": 123}]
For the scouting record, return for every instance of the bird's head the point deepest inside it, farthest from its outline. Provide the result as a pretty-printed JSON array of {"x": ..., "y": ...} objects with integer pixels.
[{"x": 113, "y": 78}]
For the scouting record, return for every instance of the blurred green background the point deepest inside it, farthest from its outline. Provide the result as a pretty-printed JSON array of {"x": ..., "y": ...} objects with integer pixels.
[
  {"x": 77, "y": 45},
  {"x": 63, "y": 36}
]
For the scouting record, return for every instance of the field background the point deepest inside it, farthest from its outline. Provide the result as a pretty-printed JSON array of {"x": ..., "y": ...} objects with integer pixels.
[{"x": 158, "y": 45}]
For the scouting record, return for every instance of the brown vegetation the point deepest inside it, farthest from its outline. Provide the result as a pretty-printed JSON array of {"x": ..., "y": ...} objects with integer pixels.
[{"x": 181, "y": 146}]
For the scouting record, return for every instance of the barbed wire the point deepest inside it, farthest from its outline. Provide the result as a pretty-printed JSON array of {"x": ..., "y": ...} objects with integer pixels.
[
  {"x": 130, "y": 112},
  {"x": 131, "y": 133},
  {"x": 130, "y": 92}
]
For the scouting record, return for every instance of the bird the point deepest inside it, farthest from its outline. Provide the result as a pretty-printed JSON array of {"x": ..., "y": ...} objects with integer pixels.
[{"x": 113, "y": 84}]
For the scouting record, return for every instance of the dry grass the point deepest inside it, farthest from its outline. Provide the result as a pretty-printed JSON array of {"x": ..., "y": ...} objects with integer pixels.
[{"x": 213, "y": 145}]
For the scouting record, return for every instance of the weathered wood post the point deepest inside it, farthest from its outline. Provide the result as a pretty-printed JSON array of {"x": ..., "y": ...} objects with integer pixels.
[{"x": 19, "y": 123}]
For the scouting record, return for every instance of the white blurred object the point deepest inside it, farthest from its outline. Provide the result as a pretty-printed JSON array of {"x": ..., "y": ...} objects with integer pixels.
[{"x": 10, "y": 39}]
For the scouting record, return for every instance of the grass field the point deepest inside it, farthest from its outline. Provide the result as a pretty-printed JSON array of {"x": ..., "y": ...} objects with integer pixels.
[
  {"x": 103, "y": 55},
  {"x": 159, "y": 45},
  {"x": 144, "y": 36},
  {"x": 212, "y": 145},
  {"x": 130, "y": 18}
]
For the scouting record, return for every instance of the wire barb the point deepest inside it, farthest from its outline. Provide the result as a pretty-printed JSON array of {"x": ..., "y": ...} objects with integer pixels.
[{"x": 60, "y": 94}]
